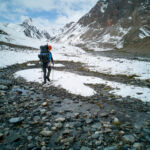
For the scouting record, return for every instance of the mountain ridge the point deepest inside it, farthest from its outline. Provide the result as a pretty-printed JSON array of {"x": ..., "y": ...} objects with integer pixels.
[
  {"x": 28, "y": 33},
  {"x": 110, "y": 25}
]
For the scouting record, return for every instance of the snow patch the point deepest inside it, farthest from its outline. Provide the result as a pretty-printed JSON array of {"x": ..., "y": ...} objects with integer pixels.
[
  {"x": 144, "y": 33},
  {"x": 104, "y": 7},
  {"x": 130, "y": 18},
  {"x": 29, "y": 64},
  {"x": 76, "y": 84},
  {"x": 59, "y": 65},
  {"x": 129, "y": 1},
  {"x": 8, "y": 58}
]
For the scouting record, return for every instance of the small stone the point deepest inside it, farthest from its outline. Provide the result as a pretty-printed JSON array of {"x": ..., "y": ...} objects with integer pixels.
[
  {"x": 139, "y": 93},
  {"x": 61, "y": 112},
  {"x": 116, "y": 121},
  {"x": 137, "y": 126},
  {"x": 44, "y": 118},
  {"x": 67, "y": 126},
  {"x": 88, "y": 121},
  {"x": 110, "y": 148},
  {"x": 85, "y": 148},
  {"x": 98, "y": 143},
  {"x": 127, "y": 116},
  {"x": 66, "y": 132},
  {"x": 43, "y": 148},
  {"x": 48, "y": 113},
  {"x": 36, "y": 118},
  {"x": 44, "y": 104},
  {"x": 59, "y": 138},
  {"x": 60, "y": 119},
  {"x": 95, "y": 136},
  {"x": 121, "y": 132},
  {"x": 138, "y": 146},
  {"x": 3, "y": 87},
  {"x": 77, "y": 124},
  {"x": 2, "y": 93},
  {"x": 107, "y": 130},
  {"x": 58, "y": 125},
  {"x": 46, "y": 133},
  {"x": 112, "y": 111},
  {"x": 106, "y": 124},
  {"x": 68, "y": 140},
  {"x": 34, "y": 122},
  {"x": 67, "y": 144},
  {"x": 16, "y": 120},
  {"x": 14, "y": 137},
  {"x": 54, "y": 113},
  {"x": 58, "y": 101},
  {"x": 76, "y": 115},
  {"x": 30, "y": 146},
  {"x": 54, "y": 128},
  {"x": 148, "y": 112},
  {"x": 1, "y": 136},
  {"x": 146, "y": 130},
  {"x": 48, "y": 124},
  {"x": 42, "y": 143},
  {"x": 43, "y": 111},
  {"x": 128, "y": 139},
  {"x": 29, "y": 138},
  {"x": 97, "y": 126},
  {"x": 104, "y": 115}
]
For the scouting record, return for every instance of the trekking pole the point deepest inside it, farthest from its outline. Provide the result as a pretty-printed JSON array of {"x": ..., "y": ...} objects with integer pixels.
[
  {"x": 41, "y": 72},
  {"x": 53, "y": 72}
]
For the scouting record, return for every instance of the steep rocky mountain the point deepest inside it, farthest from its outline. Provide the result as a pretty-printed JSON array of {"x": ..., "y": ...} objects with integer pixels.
[
  {"x": 28, "y": 33},
  {"x": 112, "y": 24},
  {"x": 31, "y": 30}
]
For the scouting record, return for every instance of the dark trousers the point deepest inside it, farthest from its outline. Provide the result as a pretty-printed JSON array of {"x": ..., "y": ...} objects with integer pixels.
[{"x": 46, "y": 68}]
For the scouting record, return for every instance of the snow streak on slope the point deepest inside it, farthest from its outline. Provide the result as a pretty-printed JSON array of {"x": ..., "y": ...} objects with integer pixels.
[
  {"x": 72, "y": 36},
  {"x": 84, "y": 35},
  {"x": 103, "y": 7},
  {"x": 144, "y": 32}
]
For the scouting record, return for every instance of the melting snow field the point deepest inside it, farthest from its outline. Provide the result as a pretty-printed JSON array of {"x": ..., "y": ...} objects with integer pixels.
[
  {"x": 103, "y": 64},
  {"x": 94, "y": 63},
  {"x": 75, "y": 84}
]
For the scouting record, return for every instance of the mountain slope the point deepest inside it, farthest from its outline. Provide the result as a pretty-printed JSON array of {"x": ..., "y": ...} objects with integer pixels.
[
  {"x": 31, "y": 30},
  {"x": 110, "y": 24}
]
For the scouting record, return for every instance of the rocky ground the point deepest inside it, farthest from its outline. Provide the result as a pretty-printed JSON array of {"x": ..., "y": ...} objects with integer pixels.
[{"x": 41, "y": 118}]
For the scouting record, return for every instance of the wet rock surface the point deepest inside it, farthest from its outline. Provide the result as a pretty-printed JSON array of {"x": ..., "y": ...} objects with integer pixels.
[{"x": 41, "y": 118}]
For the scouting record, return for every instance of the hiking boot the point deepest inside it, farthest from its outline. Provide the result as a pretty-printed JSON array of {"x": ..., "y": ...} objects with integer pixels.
[
  {"x": 48, "y": 78},
  {"x": 44, "y": 82}
]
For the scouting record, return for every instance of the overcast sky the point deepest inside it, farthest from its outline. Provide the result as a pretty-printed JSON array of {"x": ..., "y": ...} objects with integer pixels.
[{"x": 53, "y": 12}]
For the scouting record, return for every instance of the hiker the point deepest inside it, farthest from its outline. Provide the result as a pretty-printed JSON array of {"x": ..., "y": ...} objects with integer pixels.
[{"x": 46, "y": 58}]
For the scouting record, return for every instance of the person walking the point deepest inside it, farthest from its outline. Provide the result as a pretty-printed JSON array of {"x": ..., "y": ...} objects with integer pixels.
[{"x": 46, "y": 59}]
